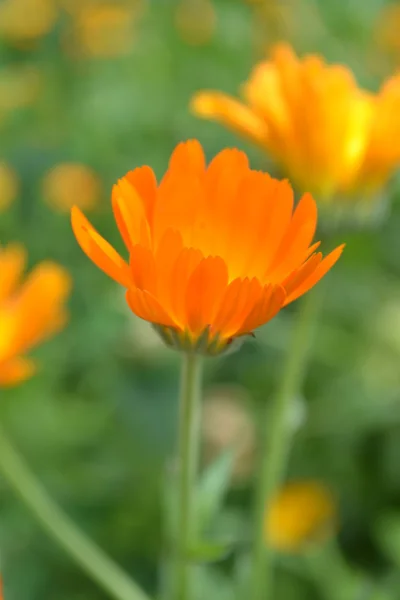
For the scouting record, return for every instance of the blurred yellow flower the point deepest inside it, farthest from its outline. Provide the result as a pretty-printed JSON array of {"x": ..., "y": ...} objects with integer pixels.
[
  {"x": 19, "y": 87},
  {"x": 24, "y": 21},
  {"x": 8, "y": 186},
  {"x": 69, "y": 184},
  {"x": 103, "y": 29},
  {"x": 195, "y": 21},
  {"x": 29, "y": 312},
  {"x": 329, "y": 136},
  {"x": 301, "y": 513}
]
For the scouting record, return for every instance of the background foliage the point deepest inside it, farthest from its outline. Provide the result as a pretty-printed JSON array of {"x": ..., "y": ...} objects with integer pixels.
[{"x": 107, "y": 86}]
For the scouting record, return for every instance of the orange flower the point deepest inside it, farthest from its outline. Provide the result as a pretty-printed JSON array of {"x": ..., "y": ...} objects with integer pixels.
[
  {"x": 103, "y": 29},
  {"x": 328, "y": 135},
  {"x": 29, "y": 312},
  {"x": 301, "y": 512},
  {"x": 67, "y": 182},
  {"x": 195, "y": 21},
  {"x": 214, "y": 252}
]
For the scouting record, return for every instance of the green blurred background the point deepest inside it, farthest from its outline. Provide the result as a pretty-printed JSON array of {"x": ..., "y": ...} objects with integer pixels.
[{"x": 100, "y": 88}]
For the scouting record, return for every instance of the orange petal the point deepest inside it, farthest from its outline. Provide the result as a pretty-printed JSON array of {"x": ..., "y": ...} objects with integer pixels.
[
  {"x": 231, "y": 113},
  {"x": 323, "y": 267},
  {"x": 166, "y": 256},
  {"x": 39, "y": 305},
  {"x": 266, "y": 308},
  {"x": 239, "y": 299},
  {"x": 98, "y": 250},
  {"x": 15, "y": 371},
  {"x": 221, "y": 184},
  {"x": 280, "y": 218},
  {"x": 130, "y": 214},
  {"x": 293, "y": 255},
  {"x": 204, "y": 292},
  {"x": 179, "y": 201},
  {"x": 298, "y": 236},
  {"x": 12, "y": 263},
  {"x": 297, "y": 277},
  {"x": 184, "y": 266},
  {"x": 145, "y": 183},
  {"x": 145, "y": 306},
  {"x": 143, "y": 269},
  {"x": 187, "y": 157}
]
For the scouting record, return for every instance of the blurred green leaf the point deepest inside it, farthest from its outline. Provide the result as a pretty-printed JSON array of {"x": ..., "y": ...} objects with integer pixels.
[
  {"x": 387, "y": 532},
  {"x": 212, "y": 488},
  {"x": 209, "y": 551}
]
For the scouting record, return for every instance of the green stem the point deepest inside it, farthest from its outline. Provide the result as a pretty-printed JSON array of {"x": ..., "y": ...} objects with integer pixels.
[
  {"x": 58, "y": 525},
  {"x": 275, "y": 444},
  {"x": 188, "y": 464}
]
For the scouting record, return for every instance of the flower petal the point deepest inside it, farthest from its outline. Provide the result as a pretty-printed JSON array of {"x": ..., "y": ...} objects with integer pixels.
[
  {"x": 231, "y": 113},
  {"x": 143, "y": 269},
  {"x": 204, "y": 292},
  {"x": 98, "y": 250},
  {"x": 130, "y": 214},
  {"x": 323, "y": 267},
  {"x": 39, "y": 306},
  {"x": 297, "y": 238},
  {"x": 238, "y": 300},
  {"x": 265, "y": 309},
  {"x": 184, "y": 266},
  {"x": 12, "y": 263},
  {"x": 16, "y": 370},
  {"x": 145, "y": 306},
  {"x": 145, "y": 183},
  {"x": 298, "y": 276}
]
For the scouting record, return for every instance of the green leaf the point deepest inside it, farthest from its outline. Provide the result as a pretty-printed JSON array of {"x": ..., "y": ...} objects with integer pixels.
[
  {"x": 212, "y": 488},
  {"x": 209, "y": 551}
]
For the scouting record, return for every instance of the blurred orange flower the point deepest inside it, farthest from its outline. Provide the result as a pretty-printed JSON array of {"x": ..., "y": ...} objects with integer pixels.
[
  {"x": 214, "y": 252},
  {"x": 24, "y": 21},
  {"x": 8, "y": 186},
  {"x": 103, "y": 29},
  {"x": 328, "y": 135},
  {"x": 196, "y": 21},
  {"x": 301, "y": 513},
  {"x": 29, "y": 312},
  {"x": 71, "y": 183}
]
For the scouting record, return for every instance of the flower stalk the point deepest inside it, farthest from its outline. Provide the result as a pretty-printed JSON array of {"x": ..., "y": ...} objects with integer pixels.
[
  {"x": 81, "y": 549},
  {"x": 189, "y": 428},
  {"x": 275, "y": 444}
]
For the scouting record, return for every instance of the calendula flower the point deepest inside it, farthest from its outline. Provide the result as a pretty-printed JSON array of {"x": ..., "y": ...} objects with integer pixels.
[
  {"x": 30, "y": 311},
  {"x": 328, "y": 135},
  {"x": 71, "y": 183},
  {"x": 8, "y": 185},
  {"x": 214, "y": 252},
  {"x": 301, "y": 513}
]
